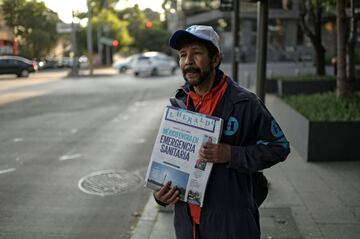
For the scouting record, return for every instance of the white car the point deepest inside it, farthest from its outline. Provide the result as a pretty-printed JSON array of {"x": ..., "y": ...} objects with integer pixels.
[
  {"x": 125, "y": 64},
  {"x": 153, "y": 63}
]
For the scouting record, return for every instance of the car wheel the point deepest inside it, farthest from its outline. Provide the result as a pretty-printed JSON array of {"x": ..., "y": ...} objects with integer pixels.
[
  {"x": 173, "y": 70},
  {"x": 24, "y": 73},
  {"x": 136, "y": 73},
  {"x": 122, "y": 69},
  {"x": 154, "y": 72}
]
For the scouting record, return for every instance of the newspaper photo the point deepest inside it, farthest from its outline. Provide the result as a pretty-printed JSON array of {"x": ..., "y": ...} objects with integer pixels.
[{"x": 175, "y": 156}]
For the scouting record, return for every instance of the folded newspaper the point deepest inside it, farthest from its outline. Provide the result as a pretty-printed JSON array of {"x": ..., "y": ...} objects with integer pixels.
[{"x": 175, "y": 155}]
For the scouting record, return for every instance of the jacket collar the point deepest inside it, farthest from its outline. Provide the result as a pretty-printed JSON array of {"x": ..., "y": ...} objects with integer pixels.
[{"x": 237, "y": 93}]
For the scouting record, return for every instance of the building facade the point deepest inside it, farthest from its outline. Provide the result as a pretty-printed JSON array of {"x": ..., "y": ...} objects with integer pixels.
[
  {"x": 8, "y": 44},
  {"x": 286, "y": 40}
]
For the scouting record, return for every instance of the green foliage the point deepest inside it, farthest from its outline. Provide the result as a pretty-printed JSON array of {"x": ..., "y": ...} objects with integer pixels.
[
  {"x": 12, "y": 10},
  {"x": 108, "y": 24},
  {"x": 329, "y": 5},
  {"x": 117, "y": 28},
  {"x": 34, "y": 25},
  {"x": 326, "y": 106},
  {"x": 306, "y": 77},
  {"x": 98, "y": 5},
  {"x": 153, "y": 38}
]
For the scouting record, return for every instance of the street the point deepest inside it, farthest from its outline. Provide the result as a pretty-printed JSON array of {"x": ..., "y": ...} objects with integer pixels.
[{"x": 74, "y": 153}]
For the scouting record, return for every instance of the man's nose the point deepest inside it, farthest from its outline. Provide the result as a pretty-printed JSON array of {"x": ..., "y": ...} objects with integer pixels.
[{"x": 189, "y": 60}]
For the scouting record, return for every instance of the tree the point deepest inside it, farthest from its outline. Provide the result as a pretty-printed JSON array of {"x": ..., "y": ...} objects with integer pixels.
[
  {"x": 98, "y": 5},
  {"x": 116, "y": 28},
  {"x": 145, "y": 25},
  {"x": 34, "y": 26},
  {"x": 351, "y": 43},
  {"x": 107, "y": 20},
  {"x": 346, "y": 42},
  {"x": 310, "y": 22}
]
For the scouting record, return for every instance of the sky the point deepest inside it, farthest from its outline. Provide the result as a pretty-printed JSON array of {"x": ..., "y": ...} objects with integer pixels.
[{"x": 65, "y": 7}]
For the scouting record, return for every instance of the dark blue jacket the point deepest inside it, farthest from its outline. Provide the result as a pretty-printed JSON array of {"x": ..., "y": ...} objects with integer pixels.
[{"x": 257, "y": 142}]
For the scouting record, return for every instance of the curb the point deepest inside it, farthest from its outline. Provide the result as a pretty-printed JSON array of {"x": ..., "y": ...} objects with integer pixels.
[{"x": 146, "y": 223}]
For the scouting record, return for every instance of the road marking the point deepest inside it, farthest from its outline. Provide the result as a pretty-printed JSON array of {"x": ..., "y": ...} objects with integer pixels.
[
  {"x": 7, "y": 170},
  {"x": 69, "y": 157},
  {"x": 17, "y": 96},
  {"x": 16, "y": 140}
]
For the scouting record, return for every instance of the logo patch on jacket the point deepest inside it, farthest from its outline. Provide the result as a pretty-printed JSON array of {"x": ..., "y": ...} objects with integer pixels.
[
  {"x": 275, "y": 129},
  {"x": 231, "y": 127}
]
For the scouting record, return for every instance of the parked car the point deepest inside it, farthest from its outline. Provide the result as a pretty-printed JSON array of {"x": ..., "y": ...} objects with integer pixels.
[
  {"x": 125, "y": 64},
  {"x": 48, "y": 63},
  {"x": 153, "y": 63},
  {"x": 83, "y": 61},
  {"x": 20, "y": 66}
]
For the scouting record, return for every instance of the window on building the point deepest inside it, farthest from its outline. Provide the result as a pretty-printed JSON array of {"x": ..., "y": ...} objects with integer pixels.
[{"x": 276, "y": 4}]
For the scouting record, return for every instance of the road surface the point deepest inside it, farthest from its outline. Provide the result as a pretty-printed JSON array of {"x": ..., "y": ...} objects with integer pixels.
[{"x": 74, "y": 153}]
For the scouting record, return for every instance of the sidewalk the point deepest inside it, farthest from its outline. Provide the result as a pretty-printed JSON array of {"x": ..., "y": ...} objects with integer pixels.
[
  {"x": 97, "y": 72},
  {"x": 306, "y": 200}
]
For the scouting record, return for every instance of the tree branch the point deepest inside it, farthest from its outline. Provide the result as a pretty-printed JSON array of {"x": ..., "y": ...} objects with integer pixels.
[
  {"x": 303, "y": 22},
  {"x": 306, "y": 29},
  {"x": 353, "y": 25}
]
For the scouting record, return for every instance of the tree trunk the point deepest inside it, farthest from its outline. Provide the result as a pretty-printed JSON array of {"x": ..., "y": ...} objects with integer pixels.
[
  {"x": 342, "y": 86},
  {"x": 319, "y": 49},
  {"x": 351, "y": 48},
  {"x": 320, "y": 59},
  {"x": 310, "y": 22}
]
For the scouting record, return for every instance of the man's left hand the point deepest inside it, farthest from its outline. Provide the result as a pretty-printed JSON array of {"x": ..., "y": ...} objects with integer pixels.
[{"x": 215, "y": 153}]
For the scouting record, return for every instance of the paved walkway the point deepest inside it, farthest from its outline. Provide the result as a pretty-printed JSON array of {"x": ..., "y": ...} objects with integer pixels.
[
  {"x": 98, "y": 72},
  {"x": 306, "y": 200}
]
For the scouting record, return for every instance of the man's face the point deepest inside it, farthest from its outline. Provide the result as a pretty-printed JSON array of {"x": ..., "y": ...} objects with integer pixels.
[{"x": 195, "y": 63}]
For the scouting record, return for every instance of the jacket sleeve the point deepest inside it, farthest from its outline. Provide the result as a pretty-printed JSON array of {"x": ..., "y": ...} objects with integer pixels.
[{"x": 269, "y": 147}]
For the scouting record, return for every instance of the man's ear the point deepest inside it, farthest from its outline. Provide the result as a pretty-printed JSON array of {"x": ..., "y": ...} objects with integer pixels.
[{"x": 217, "y": 59}]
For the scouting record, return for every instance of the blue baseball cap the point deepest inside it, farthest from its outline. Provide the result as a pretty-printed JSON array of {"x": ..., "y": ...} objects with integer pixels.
[{"x": 198, "y": 32}]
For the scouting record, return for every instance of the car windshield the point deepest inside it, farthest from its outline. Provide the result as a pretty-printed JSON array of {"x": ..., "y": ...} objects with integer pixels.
[{"x": 143, "y": 58}]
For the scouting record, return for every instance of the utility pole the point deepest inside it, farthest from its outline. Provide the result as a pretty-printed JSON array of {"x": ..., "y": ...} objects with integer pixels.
[
  {"x": 236, "y": 40},
  {"x": 89, "y": 39},
  {"x": 107, "y": 47},
  {"x": 261, "y": 47},
  {"x": 99, "y": 33},
  {"x": 74, "y": 68},
  {"x": 100, "y": 46}
]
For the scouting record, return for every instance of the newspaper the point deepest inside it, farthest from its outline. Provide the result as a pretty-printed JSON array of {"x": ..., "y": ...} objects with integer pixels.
[{"x": 175, "y": 155}]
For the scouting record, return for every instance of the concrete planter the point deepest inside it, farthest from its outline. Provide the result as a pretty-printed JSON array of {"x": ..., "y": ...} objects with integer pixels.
[
  {"x": 304, "y": 87},
  {"x": 317, "y": 141},
  {"x": 271, "y": 86},
  {"x": 284, "y": 87}
]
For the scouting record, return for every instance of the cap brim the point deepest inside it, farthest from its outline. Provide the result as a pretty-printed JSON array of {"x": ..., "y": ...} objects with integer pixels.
[{"x": 176, "y": 39}]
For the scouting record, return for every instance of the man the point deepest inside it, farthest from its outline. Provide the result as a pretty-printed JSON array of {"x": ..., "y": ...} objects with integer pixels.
[{"x": 251, "y": 141}]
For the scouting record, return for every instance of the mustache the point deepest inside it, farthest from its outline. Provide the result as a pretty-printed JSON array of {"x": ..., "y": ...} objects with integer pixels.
[{"x": 191, "y": 70}]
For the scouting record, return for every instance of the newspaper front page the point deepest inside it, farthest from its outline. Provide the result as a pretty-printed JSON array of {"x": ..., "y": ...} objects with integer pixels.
[{"x": 175, "y": 155}]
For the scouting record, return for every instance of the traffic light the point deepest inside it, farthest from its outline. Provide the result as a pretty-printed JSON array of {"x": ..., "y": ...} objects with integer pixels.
[
  {"x": 149, "y": 24},
  {"x": 115, "y": 43}
]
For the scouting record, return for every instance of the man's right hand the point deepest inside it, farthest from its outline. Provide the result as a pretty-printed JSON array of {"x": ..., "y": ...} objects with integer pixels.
[{"x": 167, "y": 194}]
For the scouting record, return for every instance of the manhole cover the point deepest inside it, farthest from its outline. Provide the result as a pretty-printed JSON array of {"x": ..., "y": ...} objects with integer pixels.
[{"x": 109, "y": 182}]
